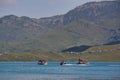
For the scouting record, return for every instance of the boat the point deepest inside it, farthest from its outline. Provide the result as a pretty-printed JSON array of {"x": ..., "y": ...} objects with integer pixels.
[
  {"x": 42, "y": 62},
  {"x": 62, "y": 63},
  {"x": 81, "y": 62}
]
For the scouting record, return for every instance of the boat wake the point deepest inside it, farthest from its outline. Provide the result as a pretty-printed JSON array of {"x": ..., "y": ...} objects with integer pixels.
[{"x": 76, "y": 64}]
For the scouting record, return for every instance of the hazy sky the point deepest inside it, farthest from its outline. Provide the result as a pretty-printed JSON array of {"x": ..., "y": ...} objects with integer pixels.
[{"x": 39, "y": 8}]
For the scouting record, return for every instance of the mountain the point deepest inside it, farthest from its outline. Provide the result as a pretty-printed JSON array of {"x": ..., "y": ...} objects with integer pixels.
[
  {"x": 13, "y": 28},
  {"x": 94, "y": 23},
  {"x": 94, "y": 11}
]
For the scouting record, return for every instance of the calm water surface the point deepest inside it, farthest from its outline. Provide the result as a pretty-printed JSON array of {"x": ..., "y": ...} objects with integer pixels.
[{"x": 53, "y": 71}]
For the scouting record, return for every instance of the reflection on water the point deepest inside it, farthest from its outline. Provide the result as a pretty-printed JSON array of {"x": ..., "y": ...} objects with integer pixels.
[{"x": 53, "y": 71}]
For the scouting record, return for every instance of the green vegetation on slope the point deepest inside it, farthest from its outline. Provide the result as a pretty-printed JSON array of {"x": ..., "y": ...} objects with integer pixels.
[
  {"x": 99, "y": 53},
  {"x": 74, "y": 34}
]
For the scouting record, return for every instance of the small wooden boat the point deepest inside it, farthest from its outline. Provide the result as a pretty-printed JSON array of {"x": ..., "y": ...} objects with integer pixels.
[{"x": 42, "y": 62}]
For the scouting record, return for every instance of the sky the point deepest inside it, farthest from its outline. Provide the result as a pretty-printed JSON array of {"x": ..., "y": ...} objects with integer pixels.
[{"x": 39, "y": 8}]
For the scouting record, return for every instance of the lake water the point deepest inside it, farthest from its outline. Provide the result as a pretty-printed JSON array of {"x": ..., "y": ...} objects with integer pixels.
[{"x": 54, "y": 71}]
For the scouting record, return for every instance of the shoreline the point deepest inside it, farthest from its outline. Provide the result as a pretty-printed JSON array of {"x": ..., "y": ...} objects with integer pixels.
[
  {"x": 60, "y": 61},
  {"x": 72, "y": 57}
]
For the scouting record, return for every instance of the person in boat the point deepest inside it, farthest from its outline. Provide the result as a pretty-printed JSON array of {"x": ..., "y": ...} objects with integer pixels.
[
  {"x": 82, "y": 61},
  {"x": 42, "y": 62},
  {"x": 62, "y": 62}
]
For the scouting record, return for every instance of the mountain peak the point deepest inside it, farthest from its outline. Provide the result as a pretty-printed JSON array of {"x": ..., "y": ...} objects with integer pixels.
[
  {"x": 99, "y": 4},
  {"x": 94, "y": 11},
  {"x": 10, "y": 17},
  {"x": 25, "y": 17}
]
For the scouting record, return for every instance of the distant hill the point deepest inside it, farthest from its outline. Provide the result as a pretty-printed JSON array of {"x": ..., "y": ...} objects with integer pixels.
[
  {"x": 13, "y": 28},
  {"x": 97, "y": 53},
  {"x": 94, "y": 23}
]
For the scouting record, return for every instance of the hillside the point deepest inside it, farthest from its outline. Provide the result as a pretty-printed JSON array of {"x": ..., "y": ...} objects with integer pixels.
[
  {"x": 98, "y": 53},
  {"x": 94, "y": 23},
  {"x": 81, "y": 32}
]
